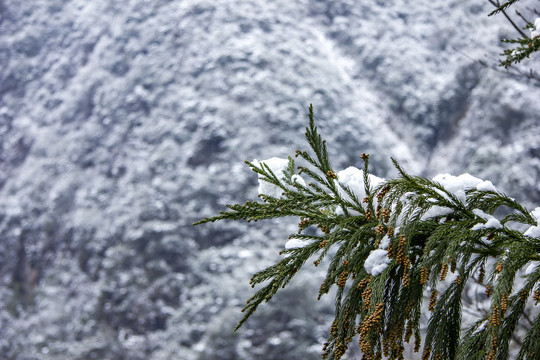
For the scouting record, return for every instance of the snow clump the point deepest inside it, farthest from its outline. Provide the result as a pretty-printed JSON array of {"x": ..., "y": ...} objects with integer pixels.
[
  {"x": 385, "y": 241},
  {"x": 377, "y": 262},
  {"x": 486, "y": 185},
  {"x": 353, "y": 178},
  {"x": 536, "y": 30},
  {"x": 298, "y": 180},
  {"x": 458, "y": 184},
  {"x": 534, "y": 231},
  {"x": 297, "y": 243},
  {"x": 491, "y": 221},
  {"x": 277, "y": 165},
  {"x": 531, "y": 268},
  {"x": 436, "y": 211}
]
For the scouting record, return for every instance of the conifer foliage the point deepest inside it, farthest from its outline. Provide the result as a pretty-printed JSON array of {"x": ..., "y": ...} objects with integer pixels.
[
  {"x": 400, "y": 249},
  {"x": 523, "y": 46}
]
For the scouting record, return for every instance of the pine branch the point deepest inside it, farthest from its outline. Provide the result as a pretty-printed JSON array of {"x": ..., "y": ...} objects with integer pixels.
[
  {"x": 420, "y": 230},
  {"x": 523, "y": 49},
  {"x": 502, "y": 7}
]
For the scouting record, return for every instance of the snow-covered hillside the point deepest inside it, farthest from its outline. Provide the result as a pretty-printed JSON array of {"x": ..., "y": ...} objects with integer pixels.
[{"x": 122, "y": 123}]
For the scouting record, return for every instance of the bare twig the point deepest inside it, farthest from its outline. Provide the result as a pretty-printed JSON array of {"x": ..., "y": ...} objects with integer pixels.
[
  {"x": 497, "y": 5},
  {"x": 522, "y": 17},
  {"x": 512, "y": 72}
]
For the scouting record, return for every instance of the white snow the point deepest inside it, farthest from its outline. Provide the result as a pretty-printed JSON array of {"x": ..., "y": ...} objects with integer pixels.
[
  {"x": 458, "y": 184},
  {"x": 435, "y": 211},
  {"x": 242, "y": 254},
  {"x": 298, "y": 180},
  {"x": 492, "y": 223},
  {"x": 385, "y": 241},
  {"x": 534, "y": 231},
  {"x": 297, "y": 243},
  {"x": 481, "y": 214},
  {"x": 532, "y": 266},
  {"x": 536, "y": 213},
  {"x": 478, "y": 226},
  {"x": 353, "y": 178},
  {"x": 536, "y": 30},
  {"x": 275, "y": 341},
  {"x": 277, "y": 165},
  {"x": 376, "y": 262},
  {"x": 486, "y": 185}
]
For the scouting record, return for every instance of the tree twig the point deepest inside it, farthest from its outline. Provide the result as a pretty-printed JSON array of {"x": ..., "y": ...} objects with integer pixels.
[
  {"x": 512, "y": 72},
  {"x": 522, "y": 17},
  {"x": 497, "y": 5}
]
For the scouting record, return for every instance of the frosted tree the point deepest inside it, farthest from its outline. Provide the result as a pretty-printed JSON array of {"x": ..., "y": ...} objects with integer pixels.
[{"x": 399, "y": 249}]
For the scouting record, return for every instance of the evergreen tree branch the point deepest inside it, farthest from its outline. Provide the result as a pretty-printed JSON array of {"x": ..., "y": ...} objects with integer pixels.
[
  {"x": 501, "y": 9},
  {"x": 421, "y": 230}
]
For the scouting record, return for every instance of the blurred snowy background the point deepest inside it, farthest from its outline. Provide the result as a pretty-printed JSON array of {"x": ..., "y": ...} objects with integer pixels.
[{"x": 123, "y": 122}]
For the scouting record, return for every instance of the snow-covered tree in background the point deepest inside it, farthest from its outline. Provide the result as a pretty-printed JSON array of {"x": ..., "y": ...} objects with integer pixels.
[{"x": 123, "y": 123}]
